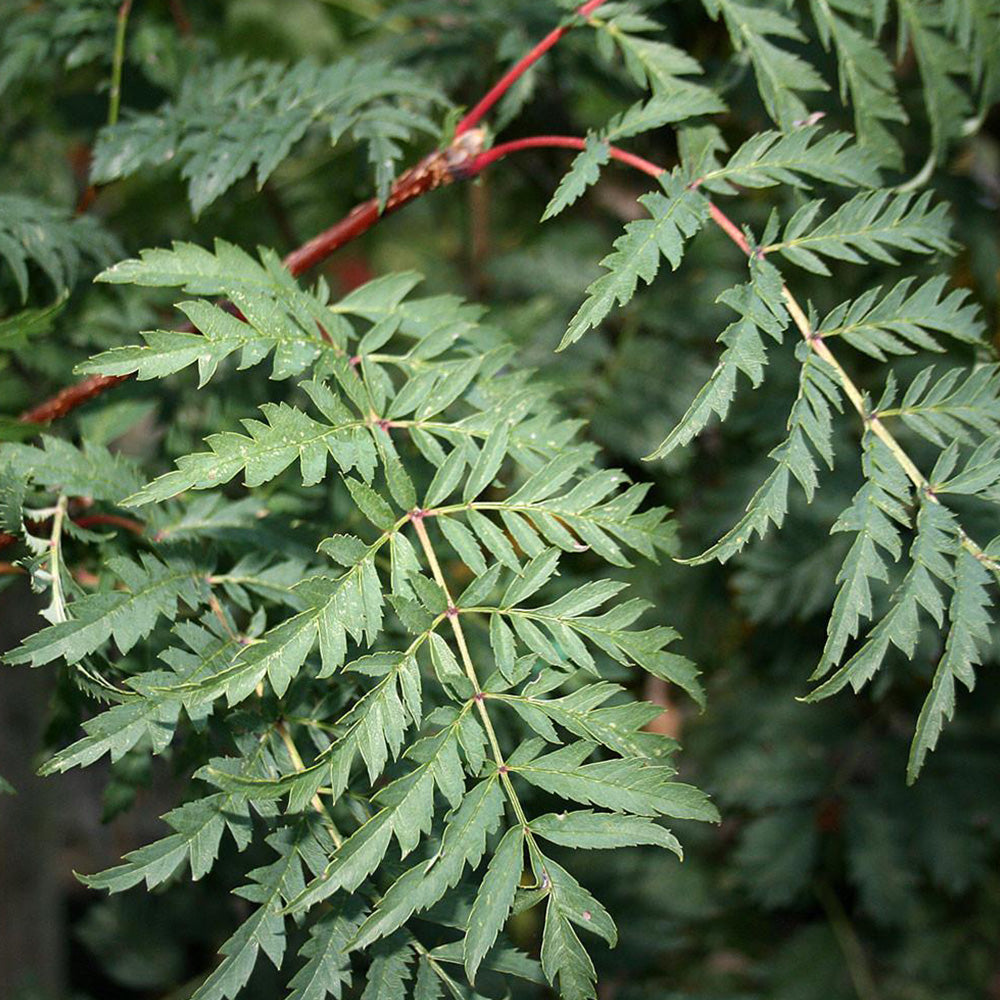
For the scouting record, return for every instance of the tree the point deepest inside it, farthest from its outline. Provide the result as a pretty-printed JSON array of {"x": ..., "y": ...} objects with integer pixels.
[{"x": 399, "y": 610}]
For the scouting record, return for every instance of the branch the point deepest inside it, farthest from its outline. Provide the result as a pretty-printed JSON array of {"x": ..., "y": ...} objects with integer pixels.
[
  {"x": 118, "y": 61},
  {"x": 439, "y": 168},
  {"x": 797, "y": 313},
  {"x": 84, "y": 521},
  {"x": 417, "y": 520},
  {"x": 462, "y": 160},
  {"x": 484, "y": 160},
  {"x": 473, "y": 118}
]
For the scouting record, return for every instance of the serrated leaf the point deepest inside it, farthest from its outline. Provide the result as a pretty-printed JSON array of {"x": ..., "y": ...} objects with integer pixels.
[
  {"x": 602, "y": 831},
  {"x": 494, "y": 899},
  {"x": 583, "y": 173},
  {"x": 676, "y": 215},
  {"x": 231, "y": 118}
]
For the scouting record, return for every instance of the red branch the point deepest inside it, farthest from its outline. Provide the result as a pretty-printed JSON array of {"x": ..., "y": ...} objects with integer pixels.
[
  {"x": 623, "y": 156},
  {"x": 473, "y": 118},
  {"x": 462, "y": 159},
  {"x": 483, "y": 160},
  {"x": 436, "y": 170},
  {"x": 459, "y": 161},
  {"x": 441, "y": 167}
]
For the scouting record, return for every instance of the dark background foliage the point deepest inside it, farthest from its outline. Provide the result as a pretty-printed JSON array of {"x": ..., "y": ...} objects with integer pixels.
[{"x": 828, "y": 878}]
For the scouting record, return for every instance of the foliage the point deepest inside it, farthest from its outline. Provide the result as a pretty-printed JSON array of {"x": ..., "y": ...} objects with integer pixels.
[
  {"x": 234, "y": 117},
  {"x": 392, "y": 605}
]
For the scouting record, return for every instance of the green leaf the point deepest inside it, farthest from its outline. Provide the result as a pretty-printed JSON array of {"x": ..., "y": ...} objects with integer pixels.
[
  {"x": 152, "y": 589},
  {"x": 231, "y": 118},
  {"x": 968, "y": 637},
  {"x": 286, "y": 435},
  {"x": 418, "y": 888},
  {"x": 869, "y": 226},
  {"x": 583, "y": 173},
  {"x": 494, "y": 899},
  {"x": 633, "y": 785},
  {"x": 793, "y": 158},
  {"x": 390, "y": 969},
  {"x": 62, "y": 246},
  {"x": 652, "y": 63},
  {"x": 952, "y": 408},
  {"x": 564, "y": 959},
  {"x": 327, "y": 971},
  {"x": 810, "y": 426},
  {"x": 761, "y": 311},
  {"x": 58, "y": 466},
  {"x": 17, "y": 330},
  {"x": 602, "y": 831},
  {"x": 371, "y": 504},
  {"x": 781, "y": 75},
  {"x": 930, "y": 560},
  {"x": 264, "y": 929},
  {"x": 904, "y": 319},
  {"x": 662, "y": 109},
  {"x": 940, "y": 60},
  {"x": 488, "y": 463},
  {"x": 675, "y": 216},
  {"x": 866, "y": 74},
  {"x": 876, "y": 514}
]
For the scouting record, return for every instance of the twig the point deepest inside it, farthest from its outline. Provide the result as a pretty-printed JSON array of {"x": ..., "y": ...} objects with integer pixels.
[
  {"x": 466, "y": 162},
  {"x": 70, "y": 398},
  {"x": 316, "y": 802},
  {"x": 112, "y": 521},
  {"x": 417, "y": 520},
  {"x": 440, "y": 168},
  {"x": 483, "y": 160},
  {"x": 475, "y": 116},
  {"x": 118, "y": 61},
  {"x": 88, "y": 521},
  {"x": 795, "y": 310}
]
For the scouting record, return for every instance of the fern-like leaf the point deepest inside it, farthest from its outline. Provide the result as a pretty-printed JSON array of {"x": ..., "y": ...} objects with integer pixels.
[
  {"x": 235, "y": 117},
  {"x": 676, "y": 215},
  {"x": 60, "y": 246},
  {"x": 869, "y": 226}
]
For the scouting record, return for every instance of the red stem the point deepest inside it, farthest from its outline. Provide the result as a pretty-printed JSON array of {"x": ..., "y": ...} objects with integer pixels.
[
  {"x": 459, "y": 161},
  {"x": 473, "y": 118},
  {"x": 483, "y": 160},
  {"x": 464, "y": 163},
  {"x": 425, "y": 176},
  {"x": 728, "y": 227},
  {"x": 462, "y": 159}
]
